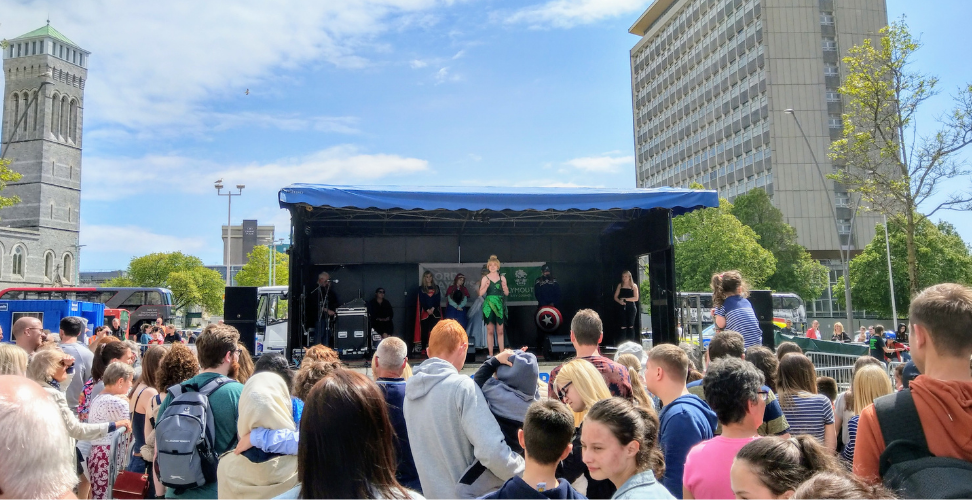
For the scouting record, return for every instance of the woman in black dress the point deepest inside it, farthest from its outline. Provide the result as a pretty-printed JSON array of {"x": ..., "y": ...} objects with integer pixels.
[{"x": 626, "y": 294}]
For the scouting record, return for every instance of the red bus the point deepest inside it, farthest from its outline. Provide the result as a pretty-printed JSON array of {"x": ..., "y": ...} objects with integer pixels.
[{"x": 144, "y": 305}]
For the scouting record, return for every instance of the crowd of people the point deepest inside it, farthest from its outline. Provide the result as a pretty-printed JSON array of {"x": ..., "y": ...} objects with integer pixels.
[{"x": 745, "y": 422}]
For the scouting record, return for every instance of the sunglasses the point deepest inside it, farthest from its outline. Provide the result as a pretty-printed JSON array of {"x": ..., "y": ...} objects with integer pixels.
[
  {"x": 562, "y": 391},
  {"x": 763, "y": 395}
]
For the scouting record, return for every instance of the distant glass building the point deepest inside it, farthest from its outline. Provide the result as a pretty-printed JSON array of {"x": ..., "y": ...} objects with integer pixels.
[{"x": 710, "y": 81}]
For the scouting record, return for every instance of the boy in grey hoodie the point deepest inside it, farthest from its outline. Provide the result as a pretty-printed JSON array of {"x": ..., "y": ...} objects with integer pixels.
[{"x": 449, "y": 423}]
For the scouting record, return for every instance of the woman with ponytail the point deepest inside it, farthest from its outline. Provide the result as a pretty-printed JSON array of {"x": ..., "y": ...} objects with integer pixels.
[
  {"x": 773, "y": 467},
  {"x": 638, "y": 391},
  {"x": 620, "y": 442},
  {"x": 732, "y": 309}
]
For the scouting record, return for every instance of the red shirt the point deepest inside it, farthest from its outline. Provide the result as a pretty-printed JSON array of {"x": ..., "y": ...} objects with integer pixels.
[{"x": 813, "y": 334}]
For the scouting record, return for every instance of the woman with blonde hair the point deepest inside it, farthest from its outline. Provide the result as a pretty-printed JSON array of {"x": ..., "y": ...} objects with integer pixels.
[
  {"x": 13, "y": 360},
  {"x": 870, "y": 383},
  {"x": 49, "y": 369},
  {"x": 641, "y": 396},
  {"x": 627, "y": 294},
  {"x": 839, "y": 334},
  {"x": 494, "y": 290},
  {"x": 579, "y": 385}
]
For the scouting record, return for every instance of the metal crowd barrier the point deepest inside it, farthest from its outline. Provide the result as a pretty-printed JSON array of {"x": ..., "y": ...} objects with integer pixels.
[
  {"x": 827, "y": 360},
  {"x": 844, "y": 375}
]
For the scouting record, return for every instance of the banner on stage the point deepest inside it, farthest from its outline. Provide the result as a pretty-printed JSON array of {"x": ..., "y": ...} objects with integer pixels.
[{"x": 520, "y": 277}]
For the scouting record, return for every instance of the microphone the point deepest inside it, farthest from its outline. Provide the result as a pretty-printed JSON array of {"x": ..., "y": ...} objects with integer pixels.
[{"x": 335, "y": 281}]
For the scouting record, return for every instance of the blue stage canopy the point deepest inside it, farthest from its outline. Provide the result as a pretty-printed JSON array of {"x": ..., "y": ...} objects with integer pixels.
[{"x": 679, "y": 201}]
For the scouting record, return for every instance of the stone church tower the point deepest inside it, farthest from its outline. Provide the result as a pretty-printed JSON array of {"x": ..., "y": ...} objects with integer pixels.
[{"x": 43, "y": 102}]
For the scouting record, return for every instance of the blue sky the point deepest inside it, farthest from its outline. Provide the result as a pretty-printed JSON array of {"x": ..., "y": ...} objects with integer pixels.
[{"x": 414, "y": 92}]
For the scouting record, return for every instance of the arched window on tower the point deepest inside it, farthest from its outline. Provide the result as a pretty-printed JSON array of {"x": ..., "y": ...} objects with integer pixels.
[
  {"x": 65, "y": 116},
  {"x": 74, "y": 121},
  {"x": 49, "y": 266},
  {"x": 18, "y": 261},
  {"x": 15, "y": 100},
  {"x": 55, "y": 116},
  {"x": 23, "y": 123},
  {"x": 37, "y": 116},
  {"x": 67, "y": 272}
]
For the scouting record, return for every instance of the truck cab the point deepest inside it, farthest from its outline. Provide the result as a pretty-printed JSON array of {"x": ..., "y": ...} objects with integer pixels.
[{"x": 271, "y": 323}]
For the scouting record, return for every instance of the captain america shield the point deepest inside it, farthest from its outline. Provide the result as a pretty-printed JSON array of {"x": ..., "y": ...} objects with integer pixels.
[{"x": 548, "y": 319}]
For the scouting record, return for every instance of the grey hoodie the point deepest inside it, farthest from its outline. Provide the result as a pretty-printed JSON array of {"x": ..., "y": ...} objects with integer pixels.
[{"x": 450, "y": 427}]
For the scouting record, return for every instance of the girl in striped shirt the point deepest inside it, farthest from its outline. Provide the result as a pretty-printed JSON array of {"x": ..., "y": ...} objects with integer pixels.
[
  {"x": 806, "y": 411},
  {"x": 732, "y": 309},
  {"x": 870, "y": 383}
]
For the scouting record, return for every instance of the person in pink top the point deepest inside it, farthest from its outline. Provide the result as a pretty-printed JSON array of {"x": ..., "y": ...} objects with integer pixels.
[
  {"x": 814, "y": 331},
  {"x": 733, "y": 389}
]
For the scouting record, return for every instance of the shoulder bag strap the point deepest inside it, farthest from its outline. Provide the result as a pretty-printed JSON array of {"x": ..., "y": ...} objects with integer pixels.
[{"x": 904, "y": 438}]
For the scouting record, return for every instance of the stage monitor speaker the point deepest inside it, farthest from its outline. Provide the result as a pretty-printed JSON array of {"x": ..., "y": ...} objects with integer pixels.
[
  {"x": 762, "y": 301},
  {"x": 351, "y": 333},
  {"x": 240, "y": 312},
  {"x": 557, "y": 347}
]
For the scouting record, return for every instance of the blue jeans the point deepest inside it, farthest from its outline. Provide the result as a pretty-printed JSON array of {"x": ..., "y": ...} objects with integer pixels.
[{"x": 139, "y": 465}]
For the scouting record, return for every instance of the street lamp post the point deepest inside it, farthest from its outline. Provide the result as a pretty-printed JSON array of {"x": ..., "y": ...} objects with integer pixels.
[
  {"x": 887, "y": 245},
  {"x": 844, "y": 258},
  {"x": 229, "y": 194}
]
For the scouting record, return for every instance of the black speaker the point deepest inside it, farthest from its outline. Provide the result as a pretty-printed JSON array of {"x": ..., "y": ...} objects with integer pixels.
[
  {"x": 351, "y": 334},
  {"x": 762, "y": 301},
  {"x": 557, "y": 347},
  {"x": 240, "y": 312}
]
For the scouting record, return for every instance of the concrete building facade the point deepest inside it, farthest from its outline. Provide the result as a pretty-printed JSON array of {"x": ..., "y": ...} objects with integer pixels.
[
  {"x": 241, "y": 241},
  {"x": 43, "y": 103},
  {"x": 713, "y": 82}
]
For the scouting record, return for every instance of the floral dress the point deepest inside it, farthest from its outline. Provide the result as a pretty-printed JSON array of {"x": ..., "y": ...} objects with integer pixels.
[
  {"x": 106, "y": 408},
  {"x": 84, "y": 402}
]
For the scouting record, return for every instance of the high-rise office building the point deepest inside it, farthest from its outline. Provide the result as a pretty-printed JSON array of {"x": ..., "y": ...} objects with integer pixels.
[{"x": 717, "y": 89}]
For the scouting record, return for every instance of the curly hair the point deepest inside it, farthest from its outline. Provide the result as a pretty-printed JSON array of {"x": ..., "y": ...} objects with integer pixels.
[
  {"x": 177, "y": 366},
  {"x": 726, "y": 284},
  {"x": 310, "y": 373},
  {"x": 628, "y": 422},
  {"x": 321, "y": 352},
  {"x": 730, "y": 385}
]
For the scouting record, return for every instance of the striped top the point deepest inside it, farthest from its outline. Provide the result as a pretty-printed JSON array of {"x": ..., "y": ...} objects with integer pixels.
[
  {"x": 741, "y": 318},
  {"x": 808, "y": 413},
  {"x": 848, "y": 453}
]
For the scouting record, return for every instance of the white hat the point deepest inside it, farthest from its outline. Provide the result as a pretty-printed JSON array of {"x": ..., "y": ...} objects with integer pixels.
[{"x": 632, "y": 348}]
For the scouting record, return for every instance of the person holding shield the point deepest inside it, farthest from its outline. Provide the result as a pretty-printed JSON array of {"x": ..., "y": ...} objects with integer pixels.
[{"x": 494, "y": 290}]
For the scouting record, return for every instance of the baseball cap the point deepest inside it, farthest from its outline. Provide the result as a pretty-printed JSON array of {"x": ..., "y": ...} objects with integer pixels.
[{"x": 632, "y": 348}]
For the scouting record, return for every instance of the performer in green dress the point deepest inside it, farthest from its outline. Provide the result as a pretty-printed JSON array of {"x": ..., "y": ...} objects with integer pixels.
[{"x": 493, "y": 289}]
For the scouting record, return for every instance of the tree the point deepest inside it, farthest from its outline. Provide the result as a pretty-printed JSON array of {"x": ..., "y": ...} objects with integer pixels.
[
  {"x": 711, "y": 240},
  {"x": 8, "y": 175},
  {"x": 881, "y": 154},
  {"x": 796, "y": 271},
  {"x": 942, "y": 257},
  {"x": 256, "y": 271},
  {"x": 190, "y": 282}
]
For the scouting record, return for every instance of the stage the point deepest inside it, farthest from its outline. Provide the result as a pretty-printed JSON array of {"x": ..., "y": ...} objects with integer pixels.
[{"x": 370, "y": 237}]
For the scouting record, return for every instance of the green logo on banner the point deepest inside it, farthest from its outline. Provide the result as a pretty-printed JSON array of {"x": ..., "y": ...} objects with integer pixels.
[{"x": 520, "y": 281}]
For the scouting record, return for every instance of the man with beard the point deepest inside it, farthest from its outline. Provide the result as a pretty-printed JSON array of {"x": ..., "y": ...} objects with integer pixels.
[{"x": 219, "y": 356}]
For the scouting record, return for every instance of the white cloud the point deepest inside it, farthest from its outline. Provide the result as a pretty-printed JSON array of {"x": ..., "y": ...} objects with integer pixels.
[
  {"x": 133, "y": 240},
  {"x": 459, "y": 54},
  {"x": 570, "y": 13},
  {"x": 417, "y": 63},
  {"x": 444, "y": 76},
  {"x": 609, "y": 162},
  {"x": 158, "y": 67},
  {"x": 120, "y": 177}
]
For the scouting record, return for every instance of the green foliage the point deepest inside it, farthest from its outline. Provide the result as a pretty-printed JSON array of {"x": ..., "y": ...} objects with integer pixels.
[
  {"x": 190, "y": 282},
  {"x": 942, "y": 258},
  {"x": 796, "y": 271},
  {"x": 881, "y": 155},
  {"x": 256, "y": 271},
  {"x": 712, "y": 240},
  {"x": 8, "y": 175}
]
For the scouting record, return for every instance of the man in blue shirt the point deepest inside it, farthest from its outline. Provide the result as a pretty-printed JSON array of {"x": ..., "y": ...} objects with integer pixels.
[{"x": 685, "y": 420}]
